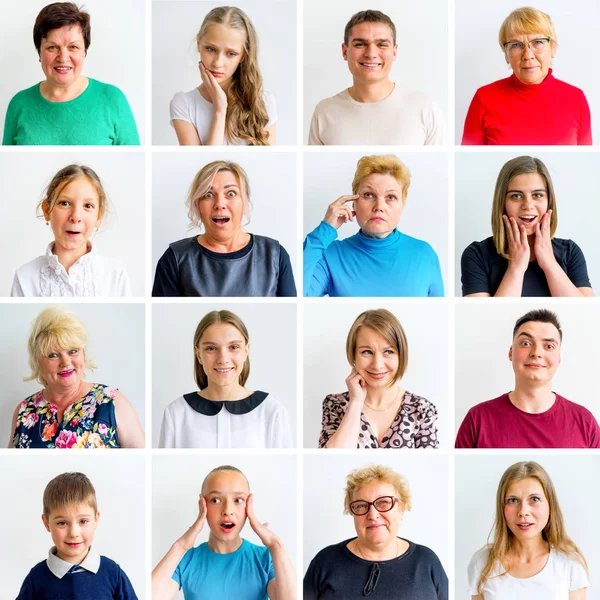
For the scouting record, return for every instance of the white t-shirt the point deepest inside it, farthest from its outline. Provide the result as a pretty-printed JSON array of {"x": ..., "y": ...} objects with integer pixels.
[
  {"x": 405, "y": 117},
  {"x": 561, "y": 575},
  {"x": 259, "y": 421},
  {"x": 91, "y": 275},
  {"x": 192, "y": 107}
]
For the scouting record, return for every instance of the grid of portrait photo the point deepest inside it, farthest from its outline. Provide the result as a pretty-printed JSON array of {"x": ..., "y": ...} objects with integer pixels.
[{"x": 298, "y": 300}]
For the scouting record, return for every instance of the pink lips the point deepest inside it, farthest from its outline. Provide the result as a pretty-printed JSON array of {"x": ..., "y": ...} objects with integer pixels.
[
  {"x": 377, "y": 375},
  {"x": 534, "y": 366},
  {"x": 66, "y": 374}
]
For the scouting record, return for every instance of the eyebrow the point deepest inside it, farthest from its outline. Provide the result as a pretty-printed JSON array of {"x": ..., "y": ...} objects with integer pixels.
[
  {"x": 369, "y": 187},
  {"x": 208, "y": 43},
  {"x": 227, "y": 185},
  {"x": 528, "y": 335},
  {"x": 217, "y": 343},
  {"x": 521, "y": 191},
  {"x": 91, "y": 514},
  {"x": 367, "y": 346},
  {"x": 366, "y": 40}
]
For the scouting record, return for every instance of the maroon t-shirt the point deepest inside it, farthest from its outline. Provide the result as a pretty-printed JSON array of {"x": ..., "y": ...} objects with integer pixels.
[{"x": 499, "y": 423}]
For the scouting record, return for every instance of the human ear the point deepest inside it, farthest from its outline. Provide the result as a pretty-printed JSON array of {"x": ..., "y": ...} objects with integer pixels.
[
  {"x": 197, "y": 351},
  {"x": 46, "y": 209},
  {"x": 510, "y": 354},
  {"x": 395, "y": 51},
  {"x": 345, "y": 51},
  {"x": 46, "y": 524}
]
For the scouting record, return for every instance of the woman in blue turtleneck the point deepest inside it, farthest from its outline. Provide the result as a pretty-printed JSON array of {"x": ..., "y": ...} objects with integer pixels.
[{"x": 379, "y": 260}]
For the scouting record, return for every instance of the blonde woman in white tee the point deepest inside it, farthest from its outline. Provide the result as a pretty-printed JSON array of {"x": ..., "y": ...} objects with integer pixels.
[{"x": 531, "y": 556}]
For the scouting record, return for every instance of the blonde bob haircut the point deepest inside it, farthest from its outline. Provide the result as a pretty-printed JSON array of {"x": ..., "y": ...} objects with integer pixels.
[
  {"x": 503, "y": 539},
  {"x": 55, "y": 328},
  {"x": 203, "y": 182},
  {"x": 525, "y": 21},
  {"x": 513, "y": 168},
  {"x": 359, "y": 477},
  {"x": 387, "y": 164},
  {"x": 385, "y": 323},
  {"x": 247, "y": 116},
  {"x": 62, "y": 179},
  {"x": 69, "y": 488},
  {"x": 212, "y": 318}
]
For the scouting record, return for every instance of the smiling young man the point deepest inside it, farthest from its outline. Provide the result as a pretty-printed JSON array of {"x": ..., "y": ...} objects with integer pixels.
[
  {"x": 374, "y": 110},
  {"x": 532, "y": 415}
]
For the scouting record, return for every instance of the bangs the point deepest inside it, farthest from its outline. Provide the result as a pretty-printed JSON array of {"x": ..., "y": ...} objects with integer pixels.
[{"x": 61, "y": 340}]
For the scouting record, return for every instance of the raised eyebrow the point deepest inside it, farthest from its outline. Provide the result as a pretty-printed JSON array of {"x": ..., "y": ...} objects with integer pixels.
[
  {"x": 367, "y": 41},
  {"x": 528, "y": 335},
  {"x": 227, "y": 185}
]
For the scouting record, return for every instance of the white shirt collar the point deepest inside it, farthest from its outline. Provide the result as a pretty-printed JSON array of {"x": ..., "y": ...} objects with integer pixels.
[
  {"x": 52, "y": 259},
  {"x": 59, "y": 567}
]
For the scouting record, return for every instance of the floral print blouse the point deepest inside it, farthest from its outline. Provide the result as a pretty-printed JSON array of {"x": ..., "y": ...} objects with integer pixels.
[{"x": 89, "y": 422}]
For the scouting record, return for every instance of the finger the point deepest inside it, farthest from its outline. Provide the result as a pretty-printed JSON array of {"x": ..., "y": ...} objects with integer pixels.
[
  {"x": 203, "y": 501},
  {"x": 523, "y": 234},
  {"x": 508, "y": 230},
  {"x": 250, "y": 507},
  {"x": 344, "y": 199}
]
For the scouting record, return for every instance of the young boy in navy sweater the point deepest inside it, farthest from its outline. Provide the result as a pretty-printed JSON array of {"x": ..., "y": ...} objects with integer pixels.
[{"x": 73, "y": 570}]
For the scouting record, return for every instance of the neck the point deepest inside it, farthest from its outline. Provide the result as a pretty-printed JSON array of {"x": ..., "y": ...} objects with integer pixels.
[
  {"x": 67, "y": 258},
  {"x": 223, "y": 393},
  {"x": 529, "y": 549},
  {"x": 533, "y": 399},
  {"x": 236, "y": 242},
  {"x": 64, "y": 398},
  {"x": 74, "y": 560},
  {"x": 378, "y": 398},
  {"x": 377, "y": 236},
  {"x": 377, "y": 553},
  {"x": 371, "y": 92},
  {"x": 223, "y": 547},
  {"x": 56, "y": 93}
]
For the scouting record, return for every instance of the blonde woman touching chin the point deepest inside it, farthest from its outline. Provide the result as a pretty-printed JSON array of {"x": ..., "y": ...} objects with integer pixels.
[{"x": 230, "y": 106}]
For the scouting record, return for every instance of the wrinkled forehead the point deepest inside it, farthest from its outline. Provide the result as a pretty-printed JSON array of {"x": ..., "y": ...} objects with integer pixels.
[
  {"x": 369, "y": 31},
  {"x": 538, "y": 330}
]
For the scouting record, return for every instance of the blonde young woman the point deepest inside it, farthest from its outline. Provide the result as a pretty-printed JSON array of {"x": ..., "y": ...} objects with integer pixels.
[
  {"x": 230, "y": 106},
  {"x": 74, "y": 205},
  {"x": 531, "y": 557}
]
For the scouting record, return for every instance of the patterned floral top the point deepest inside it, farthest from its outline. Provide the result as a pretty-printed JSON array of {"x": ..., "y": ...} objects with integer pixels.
[
  {"x": 89, "y": 422},
  {"x": 414, "y": 426}
]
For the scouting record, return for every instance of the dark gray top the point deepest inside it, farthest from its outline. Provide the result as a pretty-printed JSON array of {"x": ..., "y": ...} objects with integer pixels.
[{"x": 261, "y": 268}]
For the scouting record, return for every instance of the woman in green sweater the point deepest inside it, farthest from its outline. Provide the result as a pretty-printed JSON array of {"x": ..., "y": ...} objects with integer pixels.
[{"x": 67, "y": 108}]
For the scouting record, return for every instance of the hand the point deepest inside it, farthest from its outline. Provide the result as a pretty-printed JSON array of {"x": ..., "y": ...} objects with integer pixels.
[
  {"x": 357, "y": 387},
  {"x": 518, "y": 245},
  {"x": 188, "y": 539},
  {"x": 543, "y": 244},
  {"x": 267, "y": 537},
  {"x": 339, "y": 213},
  {"x": 217, "y": 96}
]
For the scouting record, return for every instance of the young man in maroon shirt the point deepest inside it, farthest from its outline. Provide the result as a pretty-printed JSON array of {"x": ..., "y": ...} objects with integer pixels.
[{"x": 532, "y": 415}]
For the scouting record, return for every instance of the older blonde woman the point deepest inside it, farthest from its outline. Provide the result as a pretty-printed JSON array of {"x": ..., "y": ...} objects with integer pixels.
[
  {"x": 530, "y": 106},
  {"x": 379, "y": 260},
  {"x": 70, "y": 412},
  {"x": 224, "y": 260},
  {"x": 531, "y": 557},
  {"x": 376, "y": 563}
]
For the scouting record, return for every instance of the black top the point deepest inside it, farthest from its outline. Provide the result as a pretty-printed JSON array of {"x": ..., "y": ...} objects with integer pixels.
[
  {"x": 335, "y": 573},
  {"x": 261, "y": 268},
  {"x": 482, "y": 268}
]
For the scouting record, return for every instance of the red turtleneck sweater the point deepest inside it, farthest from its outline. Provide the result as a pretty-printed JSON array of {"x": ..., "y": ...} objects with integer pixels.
[{"x": 509, "y": 112}]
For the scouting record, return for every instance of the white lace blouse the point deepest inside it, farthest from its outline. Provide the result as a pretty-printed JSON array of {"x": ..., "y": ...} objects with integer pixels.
[{"x": 91, "y": 275}]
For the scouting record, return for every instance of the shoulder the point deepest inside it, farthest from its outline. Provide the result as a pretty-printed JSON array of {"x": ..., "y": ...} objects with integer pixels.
[
  {"x": 332, "y": 102},
  {"x": 267, "y": 241},
  {"x": 336, "y": 400},
  {"x": 565, "y": 246},
  {"x": 25, "y": 96},
  {"x": 34, "y": 400},
  {"x": 185, "y": 98},
  {"x": 492, "y": 89},
  {"x": 483, "y": 409},
  {"x": 425, "y": 554},
  {"x": 107, "y": 90},
  {"x": 478, "y": 560},
  {"x": 566, "y": 88},
  {"x": 272, "y": 405},
  {"x": 415, "y": 244},
  {"x": 421, "y": 404},
  {"x": 329, "y": 554},
  {"x": 177, "y": 405},
  {"x": 110, "y": 566},
  {"x": 105, "y": 262},
  {"x": 406, "y": 95},
  {"x": 39, "y": 570},
  {"x": 482, "y": 248},
  {"x": 268, "y": 98},
  {"x": 261, "y": 552},
  {"x": 184, "y": 246},
  {"x": 31, "y": 267},
  {"x": 575, "y": 409}
]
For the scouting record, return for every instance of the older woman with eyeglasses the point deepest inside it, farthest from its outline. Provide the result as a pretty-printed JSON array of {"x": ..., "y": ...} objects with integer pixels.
[
  {"x": 376, "y": 562},
  {"x": 530, "y": 106}
]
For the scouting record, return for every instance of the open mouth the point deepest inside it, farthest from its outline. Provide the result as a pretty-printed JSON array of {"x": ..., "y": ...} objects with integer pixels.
[
  {"x": 224, "y": 371},
  {"x": 221, "y": 220},
  {"x": 524, "y": 526},
  {"x": 66, "y": 373},
  {"x": 528, "y": 219},
  {"x": 370, "y": 65},
  {"x": 62, "y": 70},
  {"x": 227, "y": 526}
]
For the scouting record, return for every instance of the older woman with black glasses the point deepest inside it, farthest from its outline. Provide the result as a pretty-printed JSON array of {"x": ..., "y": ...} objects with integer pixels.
[
  {"x": 376, "y": 562},
  {"x": 530, "y": 106}
]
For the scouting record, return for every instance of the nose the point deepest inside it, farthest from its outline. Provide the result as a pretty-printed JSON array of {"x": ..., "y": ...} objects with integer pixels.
[
  {"x": 370, "y": 50},
  {"x": 73, "y": 530},
  {"x": 227, "y": 507},
  {"x": 536, "y": 349},
  {"x": 379, "y": 203},
  {"x": 76, "y": 212},
  {"x": 63, "y": 54},
  {"x": 527, "y": 51},
  {"x": 220, "y": 202},
  {"x": 523, "y": 509}
]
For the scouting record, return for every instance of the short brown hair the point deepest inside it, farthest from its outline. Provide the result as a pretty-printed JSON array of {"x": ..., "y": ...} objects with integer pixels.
[
  {"x": 360, "y": 477},
  {"x": 513, "y": 168},
  {"x": 387, "y": 164},
  {"x": 385, "y": 323},
  {"x": 368, "y": 16},
  {"x": 69, "y": 488},
  {"x": 57, "y": 15},
  {"x": 540, "y": 315},
  {"x": 218, "y": 316}
]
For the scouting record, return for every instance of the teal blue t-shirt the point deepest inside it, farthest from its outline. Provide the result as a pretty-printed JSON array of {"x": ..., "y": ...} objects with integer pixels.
[
  {"x": 240, "y": 575},
  {"x": 100, "y": 116}
]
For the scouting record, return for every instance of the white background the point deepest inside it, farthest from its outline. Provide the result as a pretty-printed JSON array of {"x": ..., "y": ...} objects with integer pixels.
[
  {"x": 329, "y": 175},
  {"x": 177, "y": 483},
  {"x": 115, "y": 56},
  {"x": 324, "y": 489},
  {"x": 119, "y": 484},
  {"x": 24, "y": 237},
  {"x": 484, "y": 336},
  {"x": 272, "y": 330},
  {"x": 326, "y": 367},
  {"x": 421, "y": 35},
  {"x": 576, "y": 479},
  {"x": 115, "y": 345},
  {"x": 175, "y": 58},
  {"x": 273, "y": 195},
  {"x": 574, "y": 177},
  {"x": 480, "y": 60}
]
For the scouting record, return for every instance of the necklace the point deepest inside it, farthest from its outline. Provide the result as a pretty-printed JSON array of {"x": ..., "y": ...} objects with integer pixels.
[
  {"x": 357, "y": 546},
  {"x": 388, "y": 406}
]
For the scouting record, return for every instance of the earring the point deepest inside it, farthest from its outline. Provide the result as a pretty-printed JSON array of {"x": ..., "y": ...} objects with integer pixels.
[{"x": 47, "y": 223}]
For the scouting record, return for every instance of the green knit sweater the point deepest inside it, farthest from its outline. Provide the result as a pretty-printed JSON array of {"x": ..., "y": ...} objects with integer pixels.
[{"x": 100, "y": 116}]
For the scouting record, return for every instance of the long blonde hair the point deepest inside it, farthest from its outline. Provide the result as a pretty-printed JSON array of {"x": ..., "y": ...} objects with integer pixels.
[
  {"x": 554, "y": 532},
  {"x": 247, "y": 116}
]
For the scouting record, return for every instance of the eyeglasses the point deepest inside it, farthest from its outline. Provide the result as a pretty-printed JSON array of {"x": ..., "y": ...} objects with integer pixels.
[
  {"x": 381, "y": 504},
  {"x": 516, "y": 48}
]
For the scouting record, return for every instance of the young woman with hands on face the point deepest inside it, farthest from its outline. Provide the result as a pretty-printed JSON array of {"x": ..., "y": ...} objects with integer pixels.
[
  {"x": 523, "y": 258},
  {"x": 226, "y": 566}
]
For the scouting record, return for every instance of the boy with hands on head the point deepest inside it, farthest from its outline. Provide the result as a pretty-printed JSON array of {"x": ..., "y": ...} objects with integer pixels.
[
  {"x": 227, "y": 566},
  {"x": 73, "y": 569}
]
